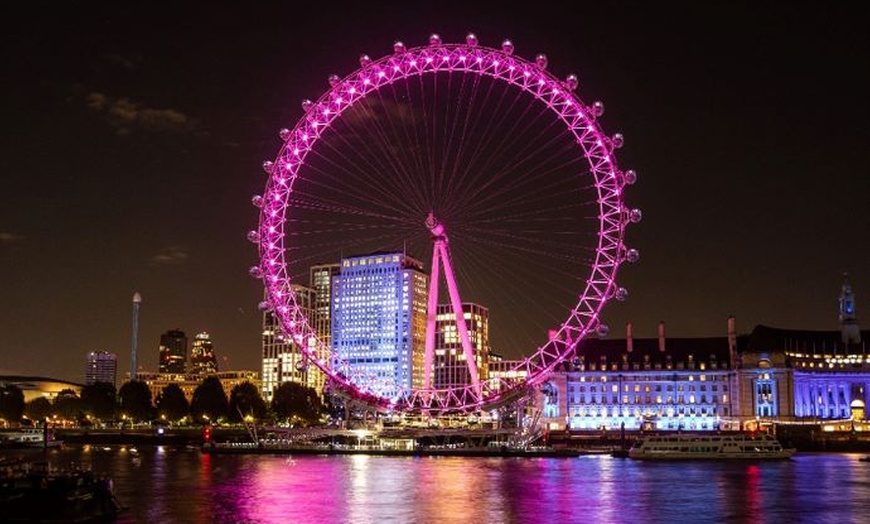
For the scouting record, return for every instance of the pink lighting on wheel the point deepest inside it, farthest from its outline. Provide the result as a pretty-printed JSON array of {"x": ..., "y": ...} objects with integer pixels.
[{"x": 578, "y": 119}]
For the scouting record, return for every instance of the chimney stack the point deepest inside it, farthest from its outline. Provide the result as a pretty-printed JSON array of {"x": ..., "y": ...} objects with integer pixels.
[
  {"x": 662, "y": 336},
  {"x": 732, "y": 340}
]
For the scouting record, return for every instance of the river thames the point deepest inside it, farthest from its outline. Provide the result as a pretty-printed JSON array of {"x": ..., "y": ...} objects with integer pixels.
[{"x": 162, "y": 484}]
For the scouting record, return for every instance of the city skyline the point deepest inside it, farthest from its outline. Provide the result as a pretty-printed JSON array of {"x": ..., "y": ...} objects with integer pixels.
[{"x": 136, "y": 153}]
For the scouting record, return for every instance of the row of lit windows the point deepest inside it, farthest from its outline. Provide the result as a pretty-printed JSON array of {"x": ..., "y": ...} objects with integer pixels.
[
  {"x": 831, "y": 365},
  {"x": 649, "y": 378},
  {"x": 647, "y": 412},
  {"x": 353, "y": 262},
  {"x": 648, "y": 366},
  {"x": 372, "y": 362},
  {"x": 647, "y": 388},
  {"x": 649, "y": 399}
]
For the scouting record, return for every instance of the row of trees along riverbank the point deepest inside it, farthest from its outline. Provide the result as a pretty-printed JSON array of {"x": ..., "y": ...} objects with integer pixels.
[{"x": 100, "y": 405}]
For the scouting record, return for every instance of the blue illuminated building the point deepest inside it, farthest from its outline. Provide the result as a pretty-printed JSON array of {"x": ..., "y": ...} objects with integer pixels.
[
  {"x": 732, "y": 382},
  {"x": 378, "y": 320},
  {"x": 659, "y": 383}
]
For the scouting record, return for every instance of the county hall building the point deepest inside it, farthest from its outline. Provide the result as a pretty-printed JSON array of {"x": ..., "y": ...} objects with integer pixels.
[{"x": 731, "y": 382}]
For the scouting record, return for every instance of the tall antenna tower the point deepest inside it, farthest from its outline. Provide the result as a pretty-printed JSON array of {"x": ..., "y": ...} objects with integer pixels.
[{"x": 134, "y": 345}]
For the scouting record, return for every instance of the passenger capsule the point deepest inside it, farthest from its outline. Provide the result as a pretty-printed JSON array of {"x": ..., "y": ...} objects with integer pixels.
[
  {"x": 602, "y": 330},
  {"x": 284, "y": 134},
  {"x": 630, "y": 177},
  {"x": 434, "y": 39},
  {"x": 267, "y": 166},
  {"x": 399, "y": 47},
  {"x": 256, "y": 272},
  {"x": 507, "y": 47},
  {"x": 598, "y": 108},
  {"x": 257, "y": 201},
  {"x": 617, "y": 141},
  {"x": 541, "y": 61},
  {"x": 471, "y": 39},
  {"x": 635, "y": 215},
  {"x": 334, "y": 80},
  {"x": 364, "y": 60},
  {"x": 632, "y": 255},
  {"x": 253, "y": 237},
  {"x": 264, "y": 305},
  {"x": 306, "y": 104},
  {"x": 571, "y": 82},
  {"x": 621, "y": 294}
]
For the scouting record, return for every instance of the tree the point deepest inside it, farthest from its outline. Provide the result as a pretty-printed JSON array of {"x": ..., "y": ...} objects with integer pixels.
[
  {"x": 99, "y": 400},
  {"x": 297, "y": 404},
  {"x": 209, "y": 400},
  {"x": 245, "y": 400},
  {"x": 67, "y": 405},
  {"x": 38, "y": 409},
  {"x": 172, "y": 404},
  {"x": 134, "y": 398},
  {"x": 11, "y": 403}
]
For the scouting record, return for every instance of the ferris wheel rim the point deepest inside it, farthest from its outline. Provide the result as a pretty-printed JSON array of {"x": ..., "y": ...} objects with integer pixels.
[{"x": 531, "y": 77}]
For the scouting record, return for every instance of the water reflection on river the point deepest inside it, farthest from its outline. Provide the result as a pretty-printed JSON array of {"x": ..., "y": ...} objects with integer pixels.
[{"x": 166, "y": 485}]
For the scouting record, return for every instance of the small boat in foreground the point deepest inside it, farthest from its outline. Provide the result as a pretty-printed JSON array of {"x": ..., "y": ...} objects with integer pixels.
[
  {"x": 33, "y": 493},
  {"x": 720, "y": 446}
]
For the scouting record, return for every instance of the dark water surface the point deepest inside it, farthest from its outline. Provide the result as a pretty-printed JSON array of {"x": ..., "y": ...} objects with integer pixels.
[{"x": 167, "y": 485}]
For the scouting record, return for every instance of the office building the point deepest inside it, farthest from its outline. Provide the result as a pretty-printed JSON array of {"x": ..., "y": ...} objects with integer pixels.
[
  {"x": 283, "y": 359},
  {"x": 202, "y": 356},
  {"x": 173, "y": 352},
  {"x": 101, "y": 366},
  {"x": 378, "y": 320},
  {"x": 450, "y": 366}
]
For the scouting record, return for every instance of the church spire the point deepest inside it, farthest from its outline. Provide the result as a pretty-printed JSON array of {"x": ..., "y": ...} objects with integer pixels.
[{"x": 848, "y": 317}]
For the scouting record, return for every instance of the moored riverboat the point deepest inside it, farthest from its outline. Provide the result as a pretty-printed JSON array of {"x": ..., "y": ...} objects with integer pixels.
[
  {"x": 28, "y": 438},
  {"x": 33, "y": 493},
  {"x": 719, "y": 446}
]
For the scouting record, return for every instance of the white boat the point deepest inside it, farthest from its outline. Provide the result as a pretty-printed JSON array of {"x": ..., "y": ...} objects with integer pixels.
[
  {"x": 720, "y": 446},
  {"x": 26, "y": 438}
]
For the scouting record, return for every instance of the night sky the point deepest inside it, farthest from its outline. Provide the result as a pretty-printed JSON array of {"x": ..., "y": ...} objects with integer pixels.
[{"x": 134, "y": 134}]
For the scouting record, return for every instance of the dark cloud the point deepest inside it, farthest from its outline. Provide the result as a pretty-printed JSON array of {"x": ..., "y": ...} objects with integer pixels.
[
  {"x": 125, "y": 115},
  {"x": 10, "y": 238},
  {"x": 121, "y": 61},
  {"x": 173, "y": 256}
]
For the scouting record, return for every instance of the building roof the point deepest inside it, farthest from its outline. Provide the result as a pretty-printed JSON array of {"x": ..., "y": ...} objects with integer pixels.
[
  {"x": 679, "y": 352},
  {"x": 34, "y": 387},
  {"x": 766, "y": 339},
  {"x": 20, "y": 380}
]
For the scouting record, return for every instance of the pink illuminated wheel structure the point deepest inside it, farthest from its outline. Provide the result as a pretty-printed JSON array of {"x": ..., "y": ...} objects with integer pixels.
[{"x": 471, "y": 142}]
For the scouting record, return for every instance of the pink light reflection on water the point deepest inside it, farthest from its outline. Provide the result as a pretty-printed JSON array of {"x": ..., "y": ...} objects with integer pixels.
[
  {"x": 363, "y": 489},
  {"x": 169, "y": 485},
  {"x": 370, "y": 489}
]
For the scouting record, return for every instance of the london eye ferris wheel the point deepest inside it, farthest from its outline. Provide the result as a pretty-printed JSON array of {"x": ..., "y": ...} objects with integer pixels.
[{"x": 487, "y": 162}]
